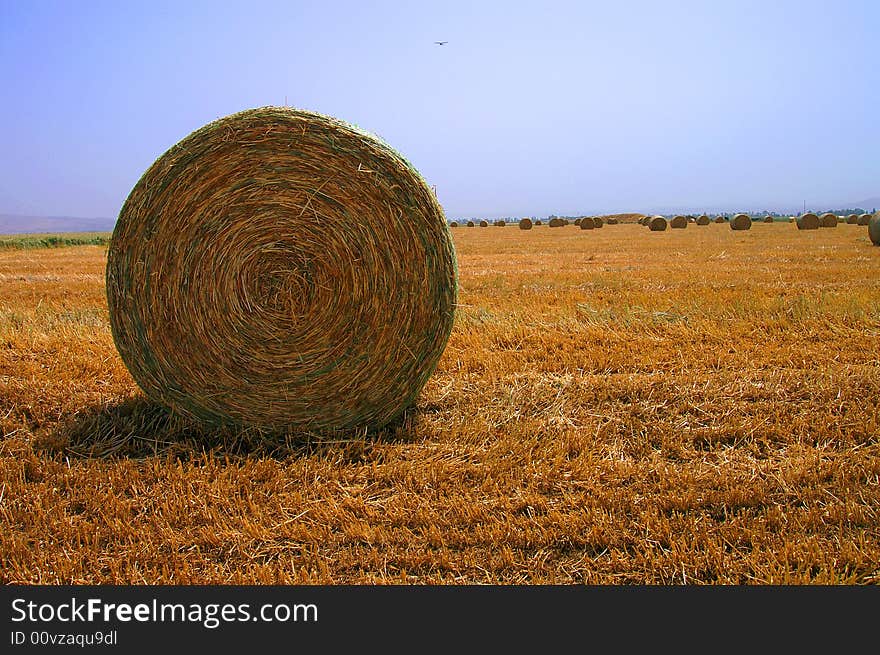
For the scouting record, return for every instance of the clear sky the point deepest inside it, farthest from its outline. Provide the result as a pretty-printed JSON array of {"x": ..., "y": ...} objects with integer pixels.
[{"x": 531, "y": 108}]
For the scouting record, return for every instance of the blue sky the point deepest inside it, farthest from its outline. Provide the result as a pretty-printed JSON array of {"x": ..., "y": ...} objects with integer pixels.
[{"x": 530, "y": 109}]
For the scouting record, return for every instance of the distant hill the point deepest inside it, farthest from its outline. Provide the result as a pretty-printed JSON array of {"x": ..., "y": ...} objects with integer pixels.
[
  {"x": 867, "y": 204},
  {"x": 19, "y": 224}
]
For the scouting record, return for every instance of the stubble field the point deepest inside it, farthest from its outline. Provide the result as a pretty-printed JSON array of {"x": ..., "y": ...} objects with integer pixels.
[{"x": 614, "y": 406}]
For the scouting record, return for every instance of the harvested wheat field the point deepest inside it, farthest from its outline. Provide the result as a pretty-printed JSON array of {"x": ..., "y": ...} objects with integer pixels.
[{"x": 691, "y": 407}]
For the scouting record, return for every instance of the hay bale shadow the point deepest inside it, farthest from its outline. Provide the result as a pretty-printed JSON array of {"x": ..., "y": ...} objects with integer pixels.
[{"x": 138, "y": 428}]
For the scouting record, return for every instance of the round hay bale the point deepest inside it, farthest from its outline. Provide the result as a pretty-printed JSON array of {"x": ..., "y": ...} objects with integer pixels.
[
  {"x": 741, "y": 222},
  {"x": 556, "y": 222},
  {"x": 864, "y": 219},
  {"x": 656, "y": 224},
  {"x": 484, "y": 223},
  {"x": 768, "y": 219},
  {"x": 500, "y": 223},
  {"x": 828, "y": 220},
  {"x": 453, "y": 224},
  {"x": 597, "y": 221},
  {"x": 678, "y": 222},
  {"x": 791, "y": 219},
  {"x": 577, "y": 221},
  {"x": 281, "y": 269},
  {"x": 538, "y": 222},
  {"x": 525, "y": 224},
  {"x": 808, "y": 221},
  {"x": 703, "y": 220},
  {"x": 612, "y": 221},
  {"x": 565, "y": 221},
  {"x": 587, "y": 223},
  {"x": 852, "y": 219},
  {"x": 470, "y": 224},
  {"x": 874, "y": 229},
  {"x": 719, "y": 219}
]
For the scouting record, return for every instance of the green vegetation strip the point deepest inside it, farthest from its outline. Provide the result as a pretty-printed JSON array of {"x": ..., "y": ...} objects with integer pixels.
[{"x": 28, "y": 241}]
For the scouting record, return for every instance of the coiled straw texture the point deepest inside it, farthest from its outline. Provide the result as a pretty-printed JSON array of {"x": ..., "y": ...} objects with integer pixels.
[{"x": 282, "y": 269}]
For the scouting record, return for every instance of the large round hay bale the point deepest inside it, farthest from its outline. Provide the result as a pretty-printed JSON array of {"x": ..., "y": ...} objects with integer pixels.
[
  {"x": 470, "y": 224},
  {"x": 525, "y": 224},
  {"x": 852, "y": 219},
  {"x": 453, "y": 224},
  {"x": 597, "y": 221},
  {"x": 741, "y": 222},
  {"x": 500, "y": 223},
  {"x": 828, "y": 220},
  {"x": 768, "y": 219},
  {"x": 864, "y": 219},
  {"x": 484, "y": 223},
  {"x": 556, "y": 222},
  {"x": 565, "y": 221},
  {"x": 587, "y": 223},
  {"x": 678, "y": 222},
  {"x": 577, "y": 221},
  {"x": 612, "y": 221},
  {"x": 719, "y": 219},
  {"x": 281, "y": 269},
  {"x": 538, "y": 222},
  {"x": 874, "y": 229},
  {"x": 703, "y": 220},
  {"x": 808, "y": 221},
  {"x": 656, "y": 223}
]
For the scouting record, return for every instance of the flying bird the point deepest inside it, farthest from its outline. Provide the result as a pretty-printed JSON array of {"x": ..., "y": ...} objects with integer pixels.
[{"x": 441, "y": 42}]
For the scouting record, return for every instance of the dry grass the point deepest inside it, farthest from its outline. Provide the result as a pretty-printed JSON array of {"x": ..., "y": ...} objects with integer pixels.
[{"x": 592, "y": 420}]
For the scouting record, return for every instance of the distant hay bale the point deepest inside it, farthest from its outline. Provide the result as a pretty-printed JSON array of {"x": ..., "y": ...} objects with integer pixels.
[
  {"x": 597, "y": 221},
  {"x": 525, "y": 224},
  {"x": 678, "y": 222},
  {"x": 703, "y": 220},
  {"x": 587, "y": 223},
  {"x": 852, "y": 219},
  {"x": 612, "y": 221},
  {"x": 242, "y": 291},
  {"x": 768, "y": 219},
  {"x": 791, "y": 219},
  {"x": 741, "y": 222},
  {"x": 453, "y": 224},
  {"x": 828, "y": 220},
  {"x": 864, "y": 219},
  {"x": 470, "y": 224},
  {"x": 565, "y": 221},
  {"x": 808, "y": 221},
  {"x": 577, "y": 221},
  {"x": 538, "y": 222},
  {"x": 556, "y": 222},
  {"x": 484, "y": 223},
  {"x": 874, "y": 229},
  {"x": 500, "y": 223},
  {"x": 656, "y": 224},
  {"x": 719, "y": 219}
]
